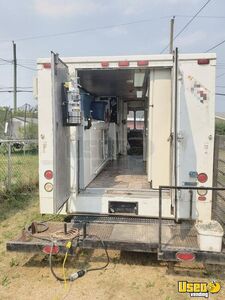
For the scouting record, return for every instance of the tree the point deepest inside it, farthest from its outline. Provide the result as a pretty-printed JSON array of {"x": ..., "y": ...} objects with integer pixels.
[{"x": 220, "y": 127}]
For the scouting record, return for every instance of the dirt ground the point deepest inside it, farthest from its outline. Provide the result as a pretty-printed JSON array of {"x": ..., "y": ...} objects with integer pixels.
[{"x": 129, "y": 275}]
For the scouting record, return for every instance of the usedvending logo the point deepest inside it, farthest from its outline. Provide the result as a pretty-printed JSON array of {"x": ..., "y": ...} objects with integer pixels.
[{"x": 198, "y": 289}]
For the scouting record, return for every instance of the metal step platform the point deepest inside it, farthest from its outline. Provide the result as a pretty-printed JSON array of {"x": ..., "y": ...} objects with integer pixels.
[{"x": 119, "y": 233}]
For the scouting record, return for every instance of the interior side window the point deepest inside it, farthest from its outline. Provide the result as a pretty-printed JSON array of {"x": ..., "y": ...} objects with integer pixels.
[
  {"x": 130, "y": 120},
  {"x": 139, "y": 120}
]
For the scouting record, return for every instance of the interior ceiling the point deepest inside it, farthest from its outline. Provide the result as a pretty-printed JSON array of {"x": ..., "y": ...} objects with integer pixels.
[{"x": 110, "y": 83}]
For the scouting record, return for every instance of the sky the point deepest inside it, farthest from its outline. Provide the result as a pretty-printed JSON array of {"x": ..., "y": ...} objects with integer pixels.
[{"x": 27, "y": 21}]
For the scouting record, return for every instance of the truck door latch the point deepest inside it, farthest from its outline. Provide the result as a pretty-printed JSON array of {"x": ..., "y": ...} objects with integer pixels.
[{"x": 180, "y": 137}]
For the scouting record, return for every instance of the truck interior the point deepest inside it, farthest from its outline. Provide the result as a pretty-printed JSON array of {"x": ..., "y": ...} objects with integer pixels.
[{"x": 124, "y": 93}]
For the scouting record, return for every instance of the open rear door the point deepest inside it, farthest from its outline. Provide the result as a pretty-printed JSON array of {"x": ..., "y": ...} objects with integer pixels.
[
  {"x": 194, "y": 135},
  {"x": 61, "y": 142}
]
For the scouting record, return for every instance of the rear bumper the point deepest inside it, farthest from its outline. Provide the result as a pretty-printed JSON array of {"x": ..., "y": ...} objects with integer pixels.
[{"x": 217, "y": 258}]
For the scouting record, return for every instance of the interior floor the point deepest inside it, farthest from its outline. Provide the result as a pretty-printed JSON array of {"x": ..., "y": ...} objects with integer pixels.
[{"x": 127, "y": 172}]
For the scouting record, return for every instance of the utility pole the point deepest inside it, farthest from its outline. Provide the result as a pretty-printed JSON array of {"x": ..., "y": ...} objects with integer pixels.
[
  {"x": 25, "y": 121},
  {"x": 171, "y": 33},
  {"x": 14, "y": 77}
]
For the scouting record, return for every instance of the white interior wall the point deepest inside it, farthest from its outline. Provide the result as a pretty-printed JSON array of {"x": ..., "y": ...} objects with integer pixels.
[
  {"x": 93, "y": 151},
  {"x": 113, "y": 151}
]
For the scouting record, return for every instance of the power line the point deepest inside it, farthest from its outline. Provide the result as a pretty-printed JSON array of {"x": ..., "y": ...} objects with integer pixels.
[
  {"x": 90, "y": 29},
  {"x": 187, "y": 24},
  {"x": 20, "y": 65},
  {"x": 215, "y": 46},
  {"x": 220, "y": 75},
  {"x": 6, "y": 60},
  {"x": 220, "y": 94},
  {"x": 26, "y": 67},
  {"x": 115, "y": 25},
  {"x": 201, "y": 17},
  {"x": 28, "y": 61}
]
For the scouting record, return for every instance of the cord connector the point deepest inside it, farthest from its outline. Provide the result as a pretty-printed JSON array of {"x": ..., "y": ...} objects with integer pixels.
[
  {"x": 77, "y": 275},
  {"x": 68, "y": 245}
]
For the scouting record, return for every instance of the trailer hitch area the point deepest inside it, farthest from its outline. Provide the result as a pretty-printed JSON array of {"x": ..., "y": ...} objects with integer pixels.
[
  {"x": 33, "y": 227},
  {"x": 37, "y": 227},
  {"x": 66, "y": 234},
  {"x": 51, "y": 233}
]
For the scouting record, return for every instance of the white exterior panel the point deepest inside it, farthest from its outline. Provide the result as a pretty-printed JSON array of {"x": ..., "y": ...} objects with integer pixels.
[
  {"x": 45, "y": 137},
  {"x": 96, "y": 201},
  {"x": 196, "y": 119}
]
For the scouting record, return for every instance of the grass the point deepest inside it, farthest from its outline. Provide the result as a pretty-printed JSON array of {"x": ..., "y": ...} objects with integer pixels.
[
  {"x": 14, "y": 262},
  {"x": 150, "y": 284},
  {"x": 5, "y": 281},
  {"x": 12, "y": 202},
  {"x": 17, "y": 210}
]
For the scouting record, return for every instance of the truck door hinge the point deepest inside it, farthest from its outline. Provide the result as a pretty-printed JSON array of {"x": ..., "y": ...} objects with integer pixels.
[{"x": 170, "y": 138}]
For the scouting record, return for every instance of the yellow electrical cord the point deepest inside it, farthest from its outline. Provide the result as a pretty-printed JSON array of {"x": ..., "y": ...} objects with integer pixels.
[{"x": 68, "y": 246}]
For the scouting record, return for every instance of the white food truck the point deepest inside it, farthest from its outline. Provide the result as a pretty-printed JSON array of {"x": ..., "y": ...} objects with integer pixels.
[{"x": 126, "y": 148}]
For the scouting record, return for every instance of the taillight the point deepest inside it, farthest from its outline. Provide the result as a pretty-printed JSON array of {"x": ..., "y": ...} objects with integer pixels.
[
  {"x": 47, "y": 65},
  {"x": 123, "y": 63},
  {"x": 142, "y": 63},
  {"x": 202, "y": 177},
  {"x": 48, "y": 174},
  {"x": 201, "y": 198},
  {"x": 185, "y": 256},
  {"x": 50, "y": 249},
  {"x": 203, "y": 61},
  {"x": 48, "y": 187},
  {"x": 105, "y": 64}
]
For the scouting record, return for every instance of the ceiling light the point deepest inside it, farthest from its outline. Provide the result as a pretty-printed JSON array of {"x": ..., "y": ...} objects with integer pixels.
[
  {"x": 139, "y": 94},
  {"x": 139, "y": 77}
]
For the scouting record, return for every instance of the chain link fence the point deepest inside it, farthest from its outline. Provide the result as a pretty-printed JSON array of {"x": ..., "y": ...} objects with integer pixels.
[
  {"x": 18, "y": 149},
  {"x": 18, "y": 165},
  {"x": 218, "y": 211}
]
